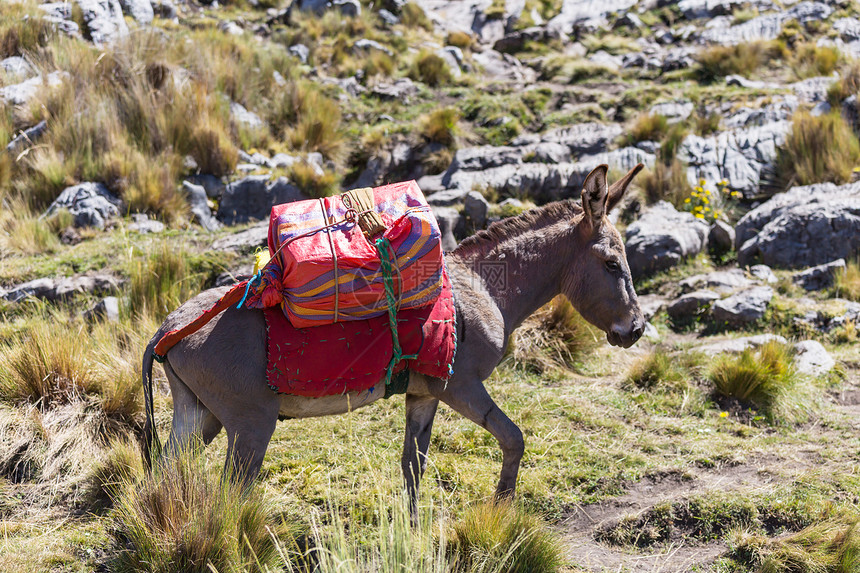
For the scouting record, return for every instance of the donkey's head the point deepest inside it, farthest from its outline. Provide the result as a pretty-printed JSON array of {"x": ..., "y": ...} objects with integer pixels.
[{"x": 598, "y": 283}]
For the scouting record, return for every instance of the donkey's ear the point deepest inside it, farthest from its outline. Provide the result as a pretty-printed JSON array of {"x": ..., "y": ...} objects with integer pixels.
[
  {"x": 594, "y": 195},
  {"x": 617, "y": 189}
]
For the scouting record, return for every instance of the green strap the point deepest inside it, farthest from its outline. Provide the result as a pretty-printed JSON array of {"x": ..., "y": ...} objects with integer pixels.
[{"x": 383, "y": 247}]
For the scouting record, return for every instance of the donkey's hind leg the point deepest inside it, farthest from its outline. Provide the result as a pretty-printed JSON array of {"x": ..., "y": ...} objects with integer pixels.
[
  {"x": 420, "y": 411},
  {"x": 191, "y": 419}
]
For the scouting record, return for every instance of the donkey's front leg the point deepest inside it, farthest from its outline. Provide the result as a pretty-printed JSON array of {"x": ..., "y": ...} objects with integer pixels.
[
  {"x": 420, "y": 411},
  {"x": 472, "y": 401}
]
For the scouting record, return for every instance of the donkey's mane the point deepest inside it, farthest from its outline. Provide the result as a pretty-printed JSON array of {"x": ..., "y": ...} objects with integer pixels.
[{"x": 531, "y": 220}]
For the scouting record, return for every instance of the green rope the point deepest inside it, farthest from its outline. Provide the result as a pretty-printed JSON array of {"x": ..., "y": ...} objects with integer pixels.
[{"x": 383, "y": 247}]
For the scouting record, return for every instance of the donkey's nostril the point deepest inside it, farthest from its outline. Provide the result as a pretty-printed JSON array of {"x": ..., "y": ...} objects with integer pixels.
[{"x": 637, "y": 333}]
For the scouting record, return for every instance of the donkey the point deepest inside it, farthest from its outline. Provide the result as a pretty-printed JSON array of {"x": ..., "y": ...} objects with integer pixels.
[{"x": 217, "y": 375}]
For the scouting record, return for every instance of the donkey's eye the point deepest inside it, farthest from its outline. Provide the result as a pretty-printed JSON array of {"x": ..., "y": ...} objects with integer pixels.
[{"x": 613, "y": 266}]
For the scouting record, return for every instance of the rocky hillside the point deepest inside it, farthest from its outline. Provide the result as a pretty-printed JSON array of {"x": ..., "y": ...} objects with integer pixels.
[{"x": 146, "y": 141}]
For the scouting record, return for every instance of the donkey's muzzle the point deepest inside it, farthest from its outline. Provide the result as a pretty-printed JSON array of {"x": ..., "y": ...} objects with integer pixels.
[{"x": 626, "y": 338}]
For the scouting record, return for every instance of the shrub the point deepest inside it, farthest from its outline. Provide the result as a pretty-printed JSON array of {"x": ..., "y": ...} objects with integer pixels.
[
  {"x": 22, "y": 29},
  {"x": 648, "y": 127},
  {"x": 431, "y": 69},
  {"x": 460, "y": 39},
  {"x": 160, "y": 281},
  {"x": 716, "y": 62},
  {"x": 808, "y": 60},
  {"x": 846, "y": 86},
  {"x": 666, "y": 183},
  {"x": 573, "y": 69},
  {"x": 848, "y": 282},
  {"x": 313, "y": 181},
  {"x": 22, "y": 231},
  {"x": 672, "y": 141},
  {"x": 308, "y": 119},
  {"x": 440, "y": 126},
  {"x": 706, "y": 124},
  {"x": 503, "y": 537},
  {"x": 656, "y": 368},
  {"x": 817, "y": 149},
  {"x": 412, "y": 15},
  {"x": 184, "y": 517},
  {"x": 766, "y": 380}
]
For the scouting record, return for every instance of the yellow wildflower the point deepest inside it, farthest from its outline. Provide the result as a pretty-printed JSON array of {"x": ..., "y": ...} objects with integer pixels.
[
  {"x": 724, "y": 414},
  {"x": 702, "y": 182},
  {"x": 687, "y": 200},
  {"x": 706, "y": 200},
  {"x": 699, "y": 216}
]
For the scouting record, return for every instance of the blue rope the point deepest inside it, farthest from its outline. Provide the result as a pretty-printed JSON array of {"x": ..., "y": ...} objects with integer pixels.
[{"x": 254, "y": 279}]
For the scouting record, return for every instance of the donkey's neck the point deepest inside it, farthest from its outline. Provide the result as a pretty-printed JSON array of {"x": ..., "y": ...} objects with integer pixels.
[{"x": 523, "y": 272}]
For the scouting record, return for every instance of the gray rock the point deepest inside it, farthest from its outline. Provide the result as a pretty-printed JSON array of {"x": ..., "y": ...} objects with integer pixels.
[
  {"x": 363, "y": 44},
  {"x": 103, "y": 20},
  {"x": 484, "y": 157},
  {"x": 106, "y": 309},
  {"x": 451, "y": 61},
  {"x": 27, "y": 138},
  {"x": 723, "y": 282},
  {"x": 721, "y": 238},
  {"x": 91, "y": 204},
  {"x": 214, "y": 186},
  {"x": 584, "y": 138},
  {"x": 447, "y": 197},
  {"x": 738, "y": 345},
  {"x": 743, "y": 307},
  {"x": 315, "y": 6},
  {"x": 200, "y": 211},
  {"x": 20, "y": 94},
  {"x": 164, "y": 9},
  {"x": 678, "y": 58},
  {"x": 141, "y": 223},
  {"x": 763, "y": 273},
  {"x": 819, "y": 277},
  {"x": 623, "y": 159},
  {"x": 739, "y": 156},
  {"x": 38, "y": 288},
  {"x": 301, "y": 52},
  {"x": 349, "y": 8},
  {"x": 765, "y": 27},
  {"x": 252, "y": 198},
  {"x": 245, "y": 118},
  {"x": 812, "y": 358},
  {"x": 812, "y": 90},
  {"x": 549, "y": 152},
  {"x": 673, "y": 111},
  {"x": 848, "y": 28},
  {"x": 503, "y": 66},
  {"x": 629, "y": 20},
  {"x": 62, "y": 288},
  {"x": 449, "y": 220},
  {"x": 740, "y": 81},
  {"x": 803, "y": 227},
  {"x": 651, "y": 304},
  {"x": 401, "y": 89},
  {"x": 283, "y": 161},
  {"x": 661, "y": 238},
  {"x": 244, "y": 241},
  {"x": 140, "y": 10},
  {"x": 576, "y": 13},
  {"x": 689, "y": 305},
  {"x": 388, "y": 18},
  {"x": 17, "y": 68},
  {"x": 475, "y": 207},
  {"x": 515, "y": 41}
]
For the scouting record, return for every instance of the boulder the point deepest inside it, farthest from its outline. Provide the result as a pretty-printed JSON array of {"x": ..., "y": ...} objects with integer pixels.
[
  {"x": 721, "y": 238},
  {"x": 141, "y": 223},
  {"x": 743, "y": 307},
  {"x": 811, "y": 358},
  {"x": 164, "y": 9},
  {"x": 401, "y": 90},
  {"x": 763, "y": 273},
  {"x": 62, "y": 288},
  {"x": 739, "y": 155},
  {"x": 348, "y": 8},
  {"x": 91, "y": 204},
  {"x": 245, "y": 118},
  {"x": 140, "y": 10},
  {"x": 244, "y": 241},
  {"x": 252, "y": 198},
  {"x": 475, "y": 207},
  {"x": 803, "y": 227},
  {"x": 213, "y": 186},
  {"x": 365, "y": 45},
  {"x": 450, "y": 220},
  {"x": 199, "y": 204},
  {"x": 673, "y": 111},
  {"x": 766, "y": 27},
  {"x": 689, "y": 305},
  {"x": 724, "y": 282},
  {"x": 103, "y": 20},
  {"x": 106, "y": 309},
  {"x": 821, "y": 276},
  {"x": 16, "y": 68},
  {"x": 588, "y": 13},
  {"x": 661, "y": 238},
  {"x": 651, "y": 304},
  {"x": 27, "y": 138},
  {"x": 301, "y": 52},
  {"x": 503, "y": 67},
  {"x": 20, "y": 94},
  {"x": 583, "y": 138}
]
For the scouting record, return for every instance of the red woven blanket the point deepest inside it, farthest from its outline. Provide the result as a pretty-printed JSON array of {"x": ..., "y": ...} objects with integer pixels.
[{"x": 353, "y": 356}]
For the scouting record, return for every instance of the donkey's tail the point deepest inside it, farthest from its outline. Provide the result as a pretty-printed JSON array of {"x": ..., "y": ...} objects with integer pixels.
[{"x": 151, "y": 444}]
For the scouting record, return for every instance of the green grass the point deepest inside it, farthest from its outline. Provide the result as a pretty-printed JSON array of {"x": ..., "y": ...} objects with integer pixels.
[
  {"x": 440, "y": 126},
  {"x": 847, "y": 283},
  {"x": 766, "y": 381},
  {"x": 817, "y": 149},
  {"x": 716, "y": 62}
]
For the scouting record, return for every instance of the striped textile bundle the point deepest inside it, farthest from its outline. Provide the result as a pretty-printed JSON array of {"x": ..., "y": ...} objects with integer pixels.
[{"x": 331, "y": 272}]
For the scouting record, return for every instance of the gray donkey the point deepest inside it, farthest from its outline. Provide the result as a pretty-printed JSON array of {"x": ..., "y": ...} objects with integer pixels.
[{"x": 218, "y": 375}]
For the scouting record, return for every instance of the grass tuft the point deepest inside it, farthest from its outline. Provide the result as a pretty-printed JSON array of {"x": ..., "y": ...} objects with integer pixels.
[
  {"x": 767, "y": 381},
  {"x": 313, "y": 181},
  {"x": 666, "y": 183},
  {"x": 809, "y": 60},
  {"x": 717, "y": 62},
  {"x": 503, "y": 537},
  {"x": 160, "y": 281},
  {"x": 847, "y": 283},
  {"x": 648, "y": 127},
  {"x": 431, "y": 69},
  {"x": 184, "y": 517},
  {"x": 440, "y": 126},
  {"x": 817, "y": 149},
  {"x": 659, "y": 368}
]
